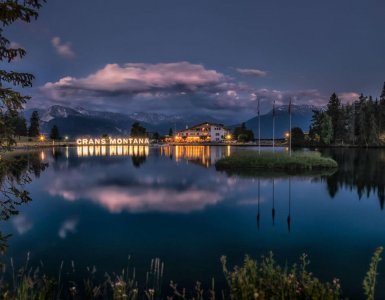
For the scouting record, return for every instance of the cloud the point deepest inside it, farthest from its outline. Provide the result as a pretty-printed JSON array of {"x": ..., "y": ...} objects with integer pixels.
[
  {"x": 252, "y": 72},
  {"x": 63, "y": 49},
  {"x": 348, "y": 97},
  {"x": 118, "y": 199},
  {"x": 137, "y": 78},
  {"x": 22, "y": 224},
  {"x": 67, "y": 227},
  {"x": 179, "y": 88}
]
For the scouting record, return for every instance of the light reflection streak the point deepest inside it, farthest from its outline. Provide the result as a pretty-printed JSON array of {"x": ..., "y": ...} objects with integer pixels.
[
  {"x": 202, "y": 155},
  {"x": 113, "y": 150}
]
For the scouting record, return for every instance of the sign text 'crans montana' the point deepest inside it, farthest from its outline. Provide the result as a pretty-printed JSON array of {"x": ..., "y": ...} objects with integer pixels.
[{"x": 113, "y": 141}]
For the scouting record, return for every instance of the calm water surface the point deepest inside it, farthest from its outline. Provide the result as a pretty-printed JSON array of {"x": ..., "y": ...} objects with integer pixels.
[{"x": 97, "y": 206}]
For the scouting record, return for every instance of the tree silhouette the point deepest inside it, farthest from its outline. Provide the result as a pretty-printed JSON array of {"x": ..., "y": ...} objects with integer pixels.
[{"x": 33, "y": 130}]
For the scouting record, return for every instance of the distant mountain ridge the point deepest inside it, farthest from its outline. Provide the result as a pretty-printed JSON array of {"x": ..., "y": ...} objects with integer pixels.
[
  {"x": 301, "y": 116},
  {"x": 76, "y": 121}
]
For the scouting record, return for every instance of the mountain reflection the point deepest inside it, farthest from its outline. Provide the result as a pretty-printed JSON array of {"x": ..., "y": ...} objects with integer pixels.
[{"x": 359, "y": 169}]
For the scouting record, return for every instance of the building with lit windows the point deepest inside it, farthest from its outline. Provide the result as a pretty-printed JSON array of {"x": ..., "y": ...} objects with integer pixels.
[{"x": 205, "y": 132}]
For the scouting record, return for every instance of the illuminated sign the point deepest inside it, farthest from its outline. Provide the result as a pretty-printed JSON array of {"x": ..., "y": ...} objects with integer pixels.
[{"x": 113, "y": 141}]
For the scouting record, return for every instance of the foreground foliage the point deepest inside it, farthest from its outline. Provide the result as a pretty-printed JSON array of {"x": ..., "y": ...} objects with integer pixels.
[
  {"x": 263, "y": 279},
  {"x": 275, "y": 161}
]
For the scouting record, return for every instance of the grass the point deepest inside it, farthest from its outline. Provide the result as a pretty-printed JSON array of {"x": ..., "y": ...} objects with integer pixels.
[
  {"x": 261, "y": 279},
  {"x": 268, "y": 161}
]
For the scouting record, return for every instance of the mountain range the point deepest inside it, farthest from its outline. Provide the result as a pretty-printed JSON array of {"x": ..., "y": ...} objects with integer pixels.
[{"x": 76, "y": 121}]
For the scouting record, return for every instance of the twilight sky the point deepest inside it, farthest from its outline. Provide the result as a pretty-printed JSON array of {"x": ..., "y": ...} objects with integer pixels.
[{"x": 205, "y": 56}]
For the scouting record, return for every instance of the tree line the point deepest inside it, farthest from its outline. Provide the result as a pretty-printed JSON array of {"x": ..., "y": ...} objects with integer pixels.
[
  {"x": 13, "y": 123},
  {"x": 360, "y": 123}
]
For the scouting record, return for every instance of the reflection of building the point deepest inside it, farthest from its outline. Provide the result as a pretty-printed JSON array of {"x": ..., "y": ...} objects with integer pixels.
[
  {"x": 202, "y": 155},
  {"x": 205, "y": 132}
]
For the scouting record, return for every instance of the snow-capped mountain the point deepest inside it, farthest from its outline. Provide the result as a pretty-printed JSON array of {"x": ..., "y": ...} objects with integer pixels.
[{"x": 75, "y": 121}]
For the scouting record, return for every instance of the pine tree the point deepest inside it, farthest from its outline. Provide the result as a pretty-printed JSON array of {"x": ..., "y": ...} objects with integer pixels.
[
  {"x": 335, "y": 112},
  {"x": 54, "y": 135},
  {"x": 137, "y": 130},
  {"x": 11, "y": 100},
  {"x": 382, "y": 112},
  {"x": 34, "y": 127},
  {"x": 326, "y": 133}
]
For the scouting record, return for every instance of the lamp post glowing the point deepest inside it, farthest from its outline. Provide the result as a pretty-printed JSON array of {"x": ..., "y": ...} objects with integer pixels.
[{"x": 41, "y": 138}]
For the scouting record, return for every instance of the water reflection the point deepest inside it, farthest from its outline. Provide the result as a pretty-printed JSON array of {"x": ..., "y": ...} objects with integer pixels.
[
  {"x": 202, "y": 155},
  {"x": 17, "y": 170},
  {"x": 112, "y": 150},
  {"x": 359, "y": 169}
]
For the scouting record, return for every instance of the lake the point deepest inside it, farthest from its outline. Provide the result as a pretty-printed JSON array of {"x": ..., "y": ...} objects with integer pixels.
[{"x": 97, "y": 206}]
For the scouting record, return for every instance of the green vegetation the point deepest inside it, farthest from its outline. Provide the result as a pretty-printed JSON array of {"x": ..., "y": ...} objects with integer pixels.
[
  {"x": 263, "y": 279},
  {"x": 242, "y": 134},
  {"x": 137, "y": 130},
  {"x": 252, "y": 160},
  {"x": 54, "y": 134},
  {"x": 11, "y": 100},
  {"x": 361, "y": 123},
  {"x": 34, "y": 127},
  {"x": 297, "y": 137}
]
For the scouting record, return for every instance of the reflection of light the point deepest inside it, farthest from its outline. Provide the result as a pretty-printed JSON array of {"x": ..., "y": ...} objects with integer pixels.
[
  {"x": 121, "y": 150},
  {"x": 203, "y": 155},
  {"x": 67, "y": 152},
  {"x": 42, "y": 155}
]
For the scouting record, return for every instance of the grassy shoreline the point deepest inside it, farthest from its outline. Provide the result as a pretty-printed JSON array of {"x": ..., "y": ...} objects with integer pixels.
[
  {"x": 254, "y": 279},
  {"x": 268, "y": 161}
]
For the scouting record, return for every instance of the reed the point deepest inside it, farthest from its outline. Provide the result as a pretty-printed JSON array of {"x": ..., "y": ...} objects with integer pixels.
[{"x": 261, "y": 279}]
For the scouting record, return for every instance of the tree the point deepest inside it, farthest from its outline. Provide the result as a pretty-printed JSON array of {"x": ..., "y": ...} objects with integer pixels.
[
  {"x": 334, "y": 110},
  {"x": 34, "y": 127},
  {"x": 382, "y": 111},
  {"x": 137, "y": 130},
  {"x": 10, "y": 99},
  {"x": 297, "y": 137},
  {"x": 326, "y": 133},
  {"x": 54, "y": 135},
  {"x": 243, "y": 134}
]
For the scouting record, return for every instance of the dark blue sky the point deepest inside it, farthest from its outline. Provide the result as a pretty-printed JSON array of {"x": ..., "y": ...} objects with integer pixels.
[{"x": 206, "y": 56}]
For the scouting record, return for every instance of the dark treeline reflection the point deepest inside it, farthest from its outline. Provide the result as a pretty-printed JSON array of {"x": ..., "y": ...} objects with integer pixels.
[
  {"x": 16, "y": 170},
  {"x": 359, "y": 169}
]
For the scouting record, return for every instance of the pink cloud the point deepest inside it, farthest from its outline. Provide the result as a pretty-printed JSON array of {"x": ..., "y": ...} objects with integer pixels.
[
  {"x": 348, "y": 97},
  {"x": 63, "y": 49},
  {"x": 140, "y": 78},
  {"x": 252, "y": 72}
]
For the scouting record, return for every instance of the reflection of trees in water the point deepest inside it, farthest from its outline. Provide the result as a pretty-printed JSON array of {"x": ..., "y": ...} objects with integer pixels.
[
  {"x": 359, "y": 169},
  {"x": 15, "y": 172},
  {"x": 138, "y": 160}
]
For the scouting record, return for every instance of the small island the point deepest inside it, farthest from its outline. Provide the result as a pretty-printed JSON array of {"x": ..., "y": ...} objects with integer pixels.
[{"x": 279, "y": 161}]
